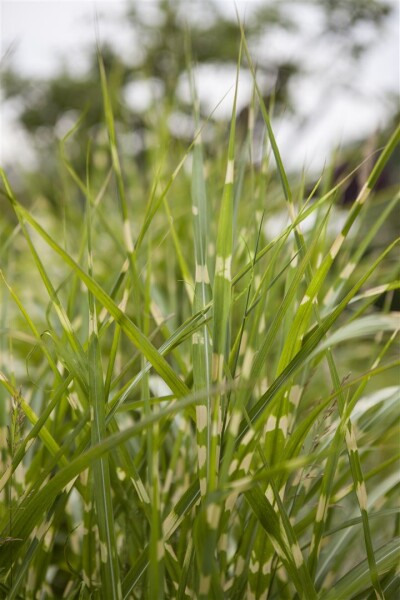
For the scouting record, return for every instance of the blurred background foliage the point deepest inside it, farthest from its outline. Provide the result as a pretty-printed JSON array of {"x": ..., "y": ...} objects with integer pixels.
[{"x": 158, "y": 57}]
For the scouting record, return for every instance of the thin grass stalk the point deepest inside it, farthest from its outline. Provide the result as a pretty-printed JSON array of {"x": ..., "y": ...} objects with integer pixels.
[
  {"x": 126, "y": 226},
  {"x": 221, "y": 324},
  {"x": 202, "y": 343},
  {"x": 109, "y": 566}
]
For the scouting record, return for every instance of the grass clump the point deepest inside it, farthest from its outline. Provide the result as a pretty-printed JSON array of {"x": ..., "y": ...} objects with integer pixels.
[{"x": 198, "y": 409}]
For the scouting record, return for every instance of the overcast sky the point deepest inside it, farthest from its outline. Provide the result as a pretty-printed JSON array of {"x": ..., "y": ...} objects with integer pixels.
[{"x": 38, "y": 35}]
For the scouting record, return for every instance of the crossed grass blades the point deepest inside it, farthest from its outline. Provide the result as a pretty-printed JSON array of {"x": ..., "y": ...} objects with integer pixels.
[{"x": 190, "y": 408}]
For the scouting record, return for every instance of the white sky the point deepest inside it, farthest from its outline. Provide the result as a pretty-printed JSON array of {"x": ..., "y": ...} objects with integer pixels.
[{"x": 43, "y": 33}]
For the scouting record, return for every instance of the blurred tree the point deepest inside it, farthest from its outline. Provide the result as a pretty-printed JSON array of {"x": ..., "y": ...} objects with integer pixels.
[{"x": 49, "y": 107}]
